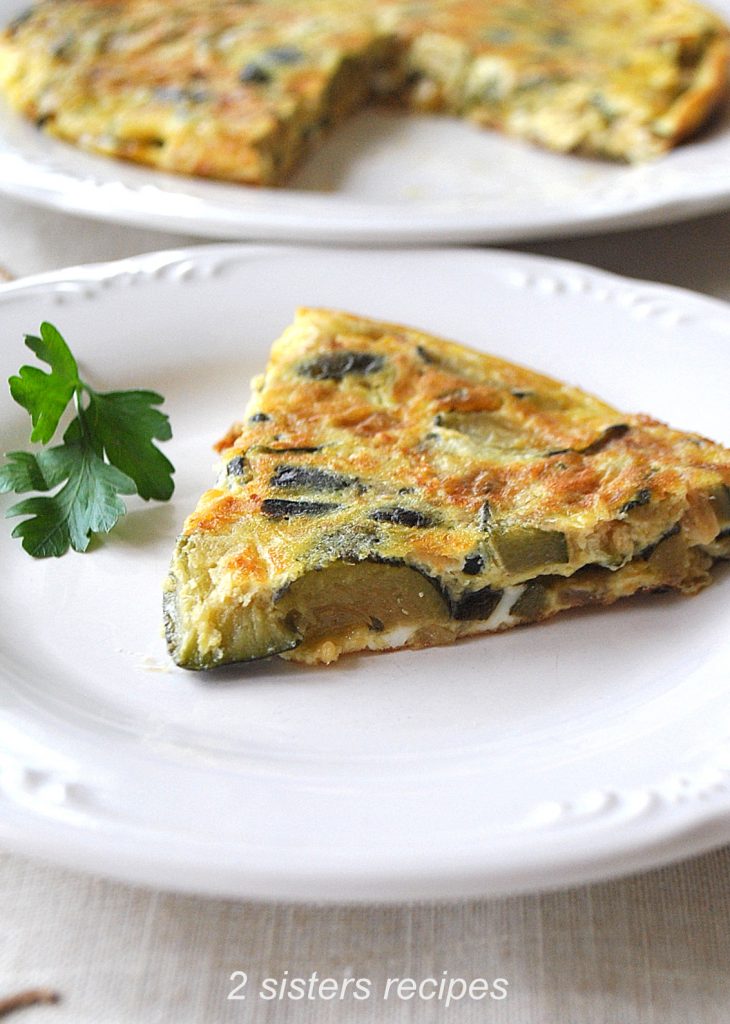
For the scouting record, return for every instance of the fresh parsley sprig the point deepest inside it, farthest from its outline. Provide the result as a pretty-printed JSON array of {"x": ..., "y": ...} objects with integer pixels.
[{"x": 107, "y": 450}]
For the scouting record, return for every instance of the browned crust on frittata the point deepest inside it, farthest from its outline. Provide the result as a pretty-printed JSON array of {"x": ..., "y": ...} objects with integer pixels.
[
  {"x": 394, "y": 424},
  {"x": 708, "y": 90}
]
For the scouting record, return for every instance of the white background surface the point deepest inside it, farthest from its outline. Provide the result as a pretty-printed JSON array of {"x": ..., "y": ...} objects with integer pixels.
[{"x": 649, "y": 950}]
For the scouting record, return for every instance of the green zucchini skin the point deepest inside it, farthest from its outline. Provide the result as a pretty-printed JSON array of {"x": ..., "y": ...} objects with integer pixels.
[
  {"x": 649, "y": 550},
  {"x": 309, "y": 478},
  {"x": 642, "y": 497},
  {"x": 473, "y": 565},
  {"x": 612, "y": 433},
  {"x": 284, "y": 508},
  {"x": 476, "y": 605},
  {"x": 396, "y": 515},
  {"x": 238, "y": 467},
  {"x": 278, "y": 640},
  {"x": 338, "y": 365}
]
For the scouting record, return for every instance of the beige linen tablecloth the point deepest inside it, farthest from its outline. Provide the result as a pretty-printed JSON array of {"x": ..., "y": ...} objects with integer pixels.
[{"x": 654, "y": 949}]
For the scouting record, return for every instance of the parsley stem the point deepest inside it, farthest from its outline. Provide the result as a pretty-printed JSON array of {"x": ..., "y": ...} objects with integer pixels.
[{"x": 80, "y": 412}]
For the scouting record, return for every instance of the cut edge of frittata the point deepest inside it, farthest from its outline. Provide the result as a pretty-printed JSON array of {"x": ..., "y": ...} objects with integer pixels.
[{"x": 666, "y": 75}]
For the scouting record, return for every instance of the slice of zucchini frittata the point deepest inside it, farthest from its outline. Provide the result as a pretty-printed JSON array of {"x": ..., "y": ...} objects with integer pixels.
[{"x": 390, "y": 489}]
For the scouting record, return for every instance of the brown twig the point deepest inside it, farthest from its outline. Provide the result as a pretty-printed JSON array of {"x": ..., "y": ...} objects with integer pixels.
[{"x": 31, "y": 997}]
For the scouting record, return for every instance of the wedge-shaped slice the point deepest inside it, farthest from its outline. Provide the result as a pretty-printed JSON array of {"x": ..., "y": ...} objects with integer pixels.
[{"x": 390, "y": 489}]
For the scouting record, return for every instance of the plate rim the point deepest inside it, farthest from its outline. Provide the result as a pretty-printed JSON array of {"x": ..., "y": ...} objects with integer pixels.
[{"x": 82, "y": 195}]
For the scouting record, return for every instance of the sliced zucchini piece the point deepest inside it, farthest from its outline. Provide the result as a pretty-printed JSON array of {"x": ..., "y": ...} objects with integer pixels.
[
  {"x": 337, "y": 365},
  {"x": 598, "y": 444},
  {"x": 528, "y": 549},
  {"x": 487, "y": 429},
  {"x": 609, "y": 434},
  {"x": 532, "y": 601},
  {"x": 334, "y": 602},
  {"x": 399, "y": 516},
  {"x": 720, "y": 547},
  {"x": 241, "y": 634},
  {"x": 720, "y": 498},
  {"x": 283, "y": 508},
  {"x": 237, "y": 467},
  {"x": 649, "y": 550},
  {"x": 476, "y": 604},
  {"x": 309, "y": 478}
]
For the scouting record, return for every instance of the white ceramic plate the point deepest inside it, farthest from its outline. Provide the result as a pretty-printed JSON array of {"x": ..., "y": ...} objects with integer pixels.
[
  {"x": 594, "y": 745},
  {"x": 383, "y": 178}
]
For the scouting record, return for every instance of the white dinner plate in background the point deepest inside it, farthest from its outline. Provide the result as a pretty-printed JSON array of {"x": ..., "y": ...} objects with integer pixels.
[{"x": 382, "y": 177}]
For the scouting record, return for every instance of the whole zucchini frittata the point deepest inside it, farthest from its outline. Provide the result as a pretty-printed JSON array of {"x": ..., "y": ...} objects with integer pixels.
[
  {"x": 390, "y": 489},
  {"x": 242, "y": 89}
]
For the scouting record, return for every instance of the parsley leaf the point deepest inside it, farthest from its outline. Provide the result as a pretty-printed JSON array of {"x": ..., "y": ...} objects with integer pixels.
[
  {"x": 87, "y": 503},
  {"x": 23, "y": 473},
  {"x": 107, "y": 450},
  {"x": 46, "y": 395},
  {"x": 125, "y": 422}
]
